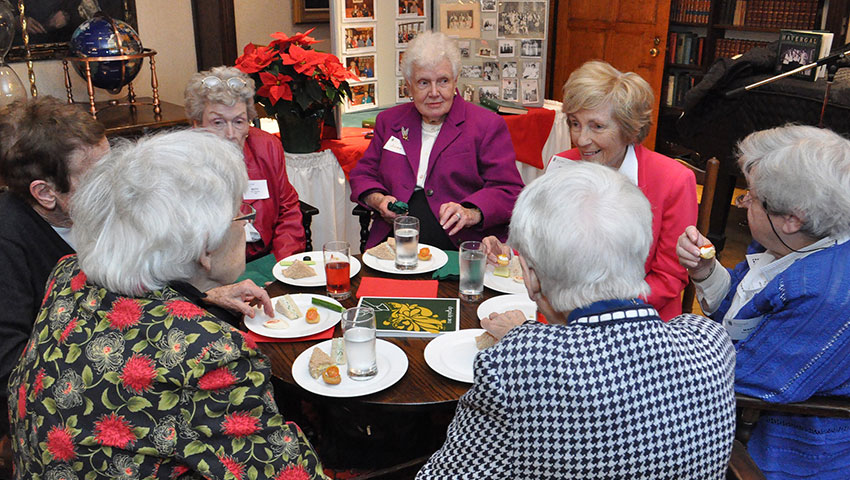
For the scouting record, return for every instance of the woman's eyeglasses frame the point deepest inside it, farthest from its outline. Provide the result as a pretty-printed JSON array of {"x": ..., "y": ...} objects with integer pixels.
[{"x": 247, "y": 212}]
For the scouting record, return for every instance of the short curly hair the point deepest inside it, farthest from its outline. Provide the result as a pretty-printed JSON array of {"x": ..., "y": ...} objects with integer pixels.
[{"x": 197, "y": 95}]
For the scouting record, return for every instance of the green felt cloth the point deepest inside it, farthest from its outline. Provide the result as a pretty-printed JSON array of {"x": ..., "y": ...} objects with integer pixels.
[
  {"x": 449, "y": 271},
  {"x": 259, "y": 270}
]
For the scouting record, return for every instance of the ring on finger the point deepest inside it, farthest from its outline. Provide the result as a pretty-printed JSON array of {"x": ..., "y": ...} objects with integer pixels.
[{"x": 457, "y": 215}]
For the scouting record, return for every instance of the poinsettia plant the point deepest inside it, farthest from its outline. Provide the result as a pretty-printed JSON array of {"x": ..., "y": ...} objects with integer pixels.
[{"x": 292, "y": 77}]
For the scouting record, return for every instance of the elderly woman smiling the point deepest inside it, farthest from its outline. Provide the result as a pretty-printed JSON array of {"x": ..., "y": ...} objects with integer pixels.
[
  {"x": 451, "y": 161},
  {"x": 607, "y": 390},
  {"x": 127, "y": 374},
  {"x": 221, "y": 100}
]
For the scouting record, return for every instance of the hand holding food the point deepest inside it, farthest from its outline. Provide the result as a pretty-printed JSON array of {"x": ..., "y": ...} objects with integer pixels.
[
  {"x": 498, "y": 324},
  {"x": 692, "y": 256}
]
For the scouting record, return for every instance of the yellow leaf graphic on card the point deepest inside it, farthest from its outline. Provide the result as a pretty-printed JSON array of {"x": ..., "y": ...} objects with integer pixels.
[{"x": 414, "y": 318}]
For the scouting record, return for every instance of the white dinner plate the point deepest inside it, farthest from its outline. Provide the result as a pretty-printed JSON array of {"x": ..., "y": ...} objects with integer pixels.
[
  {"x": 392, "y": 365},
  {"x": 452, "y": 354},
  {"x": 298, "y": 327},
  {"x": 501, "y": 284},
  {"x": 438, "y": 259},
  {"x": 318, "y": 280},
  {"x": 503, "y": 303}
]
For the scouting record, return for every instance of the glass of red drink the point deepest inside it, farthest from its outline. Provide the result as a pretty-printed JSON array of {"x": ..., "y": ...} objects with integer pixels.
[{"x": 336, "y": 256}]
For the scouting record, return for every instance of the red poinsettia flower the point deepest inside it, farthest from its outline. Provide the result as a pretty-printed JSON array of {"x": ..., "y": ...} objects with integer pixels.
[
  {"x": 22, "y": 400},
  {"x": 304, "y": 61},
  {"x": 217, "y": 379},
  {"x": 334, "y": 71},
  {"x": 68, "y": 329},
  {"x": 125, "y": 313},
  {"x": 38, "y": 384},
  {"x": 282, "y": 40},
  {"x": 78, "y": 281},
  {"x": 60, "y": 444},
  {"x": 234, "y": 467},
  {"x": 113, "y": 431},
  {"x": 293, "y": 472},
  {"x": 138, "y": 373},
  {"x": 255, "y": 58},
  {"x": 240, "y": 424},
  {"x": 183, "y": 309},
  {"x": 275, "y": 87}
]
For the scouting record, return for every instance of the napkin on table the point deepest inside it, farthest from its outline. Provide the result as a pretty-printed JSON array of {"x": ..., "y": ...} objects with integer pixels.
[
  {"x": 329, "y": 333},
  {"x": 449, "y": 271},
  {"x": 259, "y": 270},
  {"x": 388, "y": 287}
]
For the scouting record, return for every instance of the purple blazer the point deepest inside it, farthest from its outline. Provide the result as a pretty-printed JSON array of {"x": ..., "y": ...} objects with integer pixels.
[{"x": 473, "y": 161}]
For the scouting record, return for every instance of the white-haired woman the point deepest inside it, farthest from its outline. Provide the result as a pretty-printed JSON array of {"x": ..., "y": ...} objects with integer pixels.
[
  {"x": 221, "y": 100},
  {"x": 127, "y": 373},
  {"x": 451, "y": 161},
  {"x": 607, "y": 390},
  {"x": 787, "y": 305}
]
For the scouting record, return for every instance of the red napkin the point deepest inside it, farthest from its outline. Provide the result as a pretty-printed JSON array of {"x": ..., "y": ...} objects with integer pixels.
[
  {"x": 388, "y": 287},
  {"x": 529, "y": 133},
  {"x": 329, "y": 333}
]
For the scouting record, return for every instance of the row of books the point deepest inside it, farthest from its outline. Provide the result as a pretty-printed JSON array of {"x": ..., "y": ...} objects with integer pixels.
[
  {"x": 685, "y": 48},
  {"x": 771, "y": 14},
  {"x": 729, "y": 47},
  {"x": 690, "y": 11},
  {"x": 676, "y": 85}
]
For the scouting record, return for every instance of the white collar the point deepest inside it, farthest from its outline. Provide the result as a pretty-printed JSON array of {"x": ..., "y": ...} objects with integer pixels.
[{"x": 629, "y": 167}]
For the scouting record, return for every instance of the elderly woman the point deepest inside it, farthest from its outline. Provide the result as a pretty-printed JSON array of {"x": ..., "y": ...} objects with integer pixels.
[
  {"x": 127, "y": 374},
  {"x": 787, "y": 305},
  {"x": 451, "y": 161},
  {"x": 221, "y": 100},
  {"x": 609, "y": 114},
  {"x": 606, "y": 390}
]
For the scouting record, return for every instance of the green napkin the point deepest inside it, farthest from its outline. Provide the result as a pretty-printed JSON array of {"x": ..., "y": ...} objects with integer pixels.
[
  {"x": 259, "y": 270},
  {"x": 449, "y": 271}
]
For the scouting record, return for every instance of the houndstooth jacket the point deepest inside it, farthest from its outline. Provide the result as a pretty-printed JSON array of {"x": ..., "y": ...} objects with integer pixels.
[{"x": 614, "y": 394}]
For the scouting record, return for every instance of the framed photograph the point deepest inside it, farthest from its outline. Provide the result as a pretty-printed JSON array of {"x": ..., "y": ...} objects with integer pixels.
[
  {"x": 58, "y": 20},
  {"x": 359, "y": 39},
  {"x": 486, "y": 52},
  {"x": 470, "y": 71},
  {"x": 490, "y": 71},
  {"x": 464, "y": 46},
  {"x": 488, "y": 5},
  {"x": 508, "y": 69},
  {"x": 488, "y": 25},
  {"x": 362, "y": 97},
  {"x": 468, "y": 92},
  {"x": 507, "y": 48},
  {"x": 460, "y": 19},
  {"x": 362, "y": 65},
  {"x": 402, "y": 92},
  {"x": 357, "y": 10},
  {"x": 399, "y": 55},
  {"x": 509, "y": 89},
  {"x": 530, "y": 93},
  {"x": 488, "y": 91},
  {"x": 407, "y": 31},
  {"x": 521, "y": 19},
  {"x": 411, "y": 8},
  {"x": 531, "y": 48},
  {"x": 531, "y": 70},
  {"x": 311, "y": 11}
]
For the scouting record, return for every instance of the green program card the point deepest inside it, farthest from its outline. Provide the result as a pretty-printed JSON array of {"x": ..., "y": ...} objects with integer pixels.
[{"x": 414, "y": 317}]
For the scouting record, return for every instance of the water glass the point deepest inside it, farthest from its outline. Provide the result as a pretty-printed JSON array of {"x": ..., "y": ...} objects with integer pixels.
[
  {"x": 336, "y": 256},
  {"x": 358, "y": 332},
  {"x": 406, "y": 230},
  {"x": 472, "y": 261}
]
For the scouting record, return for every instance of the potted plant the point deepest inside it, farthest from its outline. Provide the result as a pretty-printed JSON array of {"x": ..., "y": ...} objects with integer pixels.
[{"x": 297, "y": 85}]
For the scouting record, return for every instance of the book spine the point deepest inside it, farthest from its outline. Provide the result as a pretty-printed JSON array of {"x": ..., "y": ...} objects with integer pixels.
[
  {"x": 671, "y": 88},
  {"x": 671, "y": 47}
]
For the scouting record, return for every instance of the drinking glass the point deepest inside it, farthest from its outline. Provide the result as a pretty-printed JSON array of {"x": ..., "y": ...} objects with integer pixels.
[
  {"x": 358, "y": 331},
  {"x": 473, "y": 260},
  {"x": 406, "y": 242},
  {"x": 336, "y": 256}
]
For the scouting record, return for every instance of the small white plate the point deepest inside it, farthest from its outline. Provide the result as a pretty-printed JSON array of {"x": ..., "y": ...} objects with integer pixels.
[
  {"x": 438, "y": 259},
  {"x": 298, "y": 327},
  {"x": 503, "y": 303},
  {"x": 392, "y": 365},
  {"x": 452, "y": 354},
  {"x": 501, "y": 284},
  {"x": 318, "y": 280}
]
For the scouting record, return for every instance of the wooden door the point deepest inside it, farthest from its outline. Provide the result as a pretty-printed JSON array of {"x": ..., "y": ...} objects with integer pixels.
[{"x": 631, "y": 35}]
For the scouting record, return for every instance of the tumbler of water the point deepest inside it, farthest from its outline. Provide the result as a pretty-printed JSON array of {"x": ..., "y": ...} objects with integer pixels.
[
  {"x": 473, "y": 260},
  {"x": 406, "y": 242},
  {"x": 358, "y": 331}
]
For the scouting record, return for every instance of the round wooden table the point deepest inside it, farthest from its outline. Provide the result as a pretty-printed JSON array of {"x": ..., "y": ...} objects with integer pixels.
[{"x": 421, "y": 386}]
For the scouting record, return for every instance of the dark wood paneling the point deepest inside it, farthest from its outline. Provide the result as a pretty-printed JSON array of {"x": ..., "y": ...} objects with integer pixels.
[{"x": 215, "y": 33}]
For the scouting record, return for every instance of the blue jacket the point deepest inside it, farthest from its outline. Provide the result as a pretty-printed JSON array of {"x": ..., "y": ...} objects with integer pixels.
[{"x": 801, "y": 348}]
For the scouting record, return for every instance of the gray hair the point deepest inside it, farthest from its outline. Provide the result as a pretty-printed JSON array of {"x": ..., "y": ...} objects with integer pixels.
[
  {"x": 801, "y": 170},
  {"x": 427, "y": 50},
  {"x": 197, "y": 95},
  {"x": 586, "y": 231},
  {"x": 145, "y": 214}
]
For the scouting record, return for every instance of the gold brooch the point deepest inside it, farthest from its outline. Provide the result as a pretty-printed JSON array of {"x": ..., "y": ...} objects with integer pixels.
[{"x": 404, "y": 132}]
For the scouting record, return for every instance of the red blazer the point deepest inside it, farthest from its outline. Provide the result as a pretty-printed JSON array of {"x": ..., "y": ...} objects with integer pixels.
[
  {"x": 671, "y": 191},
  {"x": 279, "y": 216}
]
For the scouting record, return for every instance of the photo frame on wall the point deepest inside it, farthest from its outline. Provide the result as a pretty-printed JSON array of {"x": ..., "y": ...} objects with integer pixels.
[
  {"x": 359, "y": 39},
  {"x": 462, "y": 20},
  {"x": 522, "y": 19},
  {"x": 362, "y": 97},
  {"x": 359, "y": 10},
  {"x": 407, "y": 31},
  {"x": 507, "y": 48},
  {"x": 530, "y": 91},
  {"x": 361, "y": 65},
  {"x": 310, "y": 11},
  {"x": 411, "y": 8},
  {"x": 509, "y": 89},
  {"x": 402, "y": 92}
]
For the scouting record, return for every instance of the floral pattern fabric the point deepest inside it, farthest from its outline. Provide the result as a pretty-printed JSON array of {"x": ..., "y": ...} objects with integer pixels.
[{"x": 149, "y": 387}]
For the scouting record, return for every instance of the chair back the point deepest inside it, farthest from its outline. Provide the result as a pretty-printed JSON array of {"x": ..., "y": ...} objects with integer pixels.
[{"x": 708, "y": 179}]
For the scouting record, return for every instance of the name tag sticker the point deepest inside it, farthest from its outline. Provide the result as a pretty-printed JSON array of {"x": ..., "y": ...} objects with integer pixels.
[
  {"x": 394, "y": 145},
  {"x": 257, "y": 190}
]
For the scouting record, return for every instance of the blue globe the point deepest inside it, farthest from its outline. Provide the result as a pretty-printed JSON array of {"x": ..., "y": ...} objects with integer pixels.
[{"x": 102, "y": 36}]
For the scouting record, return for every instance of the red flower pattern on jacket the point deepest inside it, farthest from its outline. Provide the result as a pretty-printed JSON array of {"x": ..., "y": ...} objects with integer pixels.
[
  {"x": 67, "y": 330},
  {"x": 78, "y": 282},
  {"x": 60, "y": 444},
  {"x": 22, "y": 400},
  {"x": 292, "y": 472},
  {"x": 240, "y": 424},
  {"x": 138, "y": 373},
  {"x": 38, "y": 384},
  {"x": 114, "y": 431},
  {"x": 184, "y": 310},
  {"x": 234, "y": 467},
  {"x": 217, "y": 379},
  {"x": 125, "y": 313}
]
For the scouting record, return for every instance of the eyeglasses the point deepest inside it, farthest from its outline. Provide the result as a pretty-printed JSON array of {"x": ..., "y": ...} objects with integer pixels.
[
  {"x": 744, "y": 200},
  {"x": 247, "y": 212},
  {"x": 235, "y": 83}
]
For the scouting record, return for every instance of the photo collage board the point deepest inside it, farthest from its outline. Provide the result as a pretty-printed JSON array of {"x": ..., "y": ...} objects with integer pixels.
[
  {"x": 371, "y": 41},
  {"x": 503, "y": 47}
]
